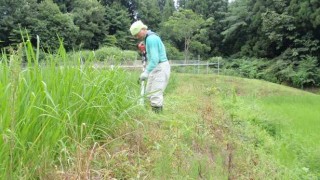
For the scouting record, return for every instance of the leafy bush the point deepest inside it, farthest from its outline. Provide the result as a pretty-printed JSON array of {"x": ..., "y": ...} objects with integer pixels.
[
  {"x": 279, "y": 71},
  {"x": 82, "y": 56},
  {"x": 304, "y": 73},
  {"x": 229, "y": 67},
  {"x": 246, "y": 67},
  {"x": 307, "y": 73},
  {"x": 115, "y": 55},
  {"x": 216, "y": 60},
  {"x": 173, "y": 53}
]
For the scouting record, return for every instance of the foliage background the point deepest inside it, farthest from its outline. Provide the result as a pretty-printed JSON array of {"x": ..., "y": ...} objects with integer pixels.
[{"x": 283, "y": 32}]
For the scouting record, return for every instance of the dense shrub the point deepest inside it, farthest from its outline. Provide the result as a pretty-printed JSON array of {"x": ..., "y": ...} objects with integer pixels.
[
  {"x": 115, "y": 55},
  {"x": 304, "y": 73},
  {"x": 246, "y": 67},
  {"x": 307, "y": 73},
  {"x": 279, "y": 71},
  {"x": 173, "y": 53},
  {"x": 82, "y": 55}
]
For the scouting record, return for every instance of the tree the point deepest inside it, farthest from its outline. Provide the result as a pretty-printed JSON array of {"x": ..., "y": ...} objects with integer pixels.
[
  {"x": 64, "y": 5},
  {"x": 217, "y": 10},
  {"x": 244, "y": 32},
  {"x": 50, "y": 24},
  {"x": 235, "y": 31},
  {"x": 15, "y": 15},
  {"x": 182, "y": 4},
  {"x": 177, "y": 28},
  {"x": 168, "y": 10},
  {"x": 149, "y": 13},
  {"x": 307, "y": 22},
  {"x": 89, "y": 17},
  {"x": 130, "y": 5},
  {"x": 200, "y": 45},
  {"x": 280, "y": 30},
  {"x": 206, "y": 8},
  {"x": 118, "y": 21}
]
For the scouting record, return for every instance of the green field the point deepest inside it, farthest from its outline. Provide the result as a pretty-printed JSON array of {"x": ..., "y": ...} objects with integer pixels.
[
  {"x": 290, "y": 117},
  {"x": 299, "y": 117}
]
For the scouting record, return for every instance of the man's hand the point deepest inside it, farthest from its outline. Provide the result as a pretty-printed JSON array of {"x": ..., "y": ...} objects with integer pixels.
[{"x": 144, "y": 75}]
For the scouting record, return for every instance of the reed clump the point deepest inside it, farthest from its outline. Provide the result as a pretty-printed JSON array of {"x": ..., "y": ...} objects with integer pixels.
[{"x": 50, "y": 107}]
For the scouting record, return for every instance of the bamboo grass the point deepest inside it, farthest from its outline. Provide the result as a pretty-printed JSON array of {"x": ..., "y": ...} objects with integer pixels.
[{"x": 49, "y": 108}]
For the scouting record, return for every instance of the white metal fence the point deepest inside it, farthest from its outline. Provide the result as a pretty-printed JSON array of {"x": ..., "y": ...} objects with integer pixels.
[
  {"x": 180, "y": 66},
  {"x": 195, "y": 66}
]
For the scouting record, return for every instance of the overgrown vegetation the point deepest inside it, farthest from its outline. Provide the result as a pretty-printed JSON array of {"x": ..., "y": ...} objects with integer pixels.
[
  {"x": 110, "y": 55},
  {"x": 284, "y": 33},
  {"x": 271, "y": 127},
  {"x": 301, "y": 74},
  {"x": 62, "y": 118},
  {"x": 52, "y": 114},
  {"x": 285, "y": 29}
]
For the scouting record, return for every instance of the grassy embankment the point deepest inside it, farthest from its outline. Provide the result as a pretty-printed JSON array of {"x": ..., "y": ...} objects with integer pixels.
[
  {"x": 217, "y": 127},
  {"x": 78, "y": 122}
]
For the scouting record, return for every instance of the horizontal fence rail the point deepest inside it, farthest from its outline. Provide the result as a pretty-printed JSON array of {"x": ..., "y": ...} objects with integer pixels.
[{"x": 195, "y": 66}]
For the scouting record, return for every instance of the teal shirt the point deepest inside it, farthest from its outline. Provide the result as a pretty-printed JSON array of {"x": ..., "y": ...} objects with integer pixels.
[{"x": 156, "y": 52}]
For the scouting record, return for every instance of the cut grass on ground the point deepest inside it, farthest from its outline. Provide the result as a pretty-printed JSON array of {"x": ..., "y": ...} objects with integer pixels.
[{"x": 212, "y": 127}]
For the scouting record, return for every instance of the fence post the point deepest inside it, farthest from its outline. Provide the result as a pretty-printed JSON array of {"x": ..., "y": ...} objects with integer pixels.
[
  {"x": 207, "y": 67},
  {"x": 219, "y": 66},
  {"x": 198, "y": 64}
]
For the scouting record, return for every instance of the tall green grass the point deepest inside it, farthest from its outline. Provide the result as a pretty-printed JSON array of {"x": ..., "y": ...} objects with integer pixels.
[
  {"x": 276, "y": 124},
  {"x": 300, "y": 119},
  {"x": 49, "y": 110}
]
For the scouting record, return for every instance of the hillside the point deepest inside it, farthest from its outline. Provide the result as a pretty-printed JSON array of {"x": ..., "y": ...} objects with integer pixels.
[
  {"x": 212, "y": 127},
  {"x": 79, "y": 122}
]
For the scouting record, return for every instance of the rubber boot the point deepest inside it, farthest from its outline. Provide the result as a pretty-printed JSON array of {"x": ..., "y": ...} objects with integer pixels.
[{"x": 157, "y": 110}]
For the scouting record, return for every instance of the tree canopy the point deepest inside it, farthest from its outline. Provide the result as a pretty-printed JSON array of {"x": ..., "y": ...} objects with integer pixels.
[
  {"x": 177, "y": 29},
  {"x": 282, "y": 29}
]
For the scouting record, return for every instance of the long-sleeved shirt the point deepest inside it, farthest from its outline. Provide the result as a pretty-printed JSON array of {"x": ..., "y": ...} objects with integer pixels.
[{"x": 156, "y": 52}]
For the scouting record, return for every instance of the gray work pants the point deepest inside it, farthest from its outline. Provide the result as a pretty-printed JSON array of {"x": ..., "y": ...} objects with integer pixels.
[{"x": 157, "y": 83}]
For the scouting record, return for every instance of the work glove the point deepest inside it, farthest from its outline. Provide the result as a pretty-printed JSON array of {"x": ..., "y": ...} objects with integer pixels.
[{"x": 144, "y": 75}]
